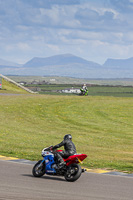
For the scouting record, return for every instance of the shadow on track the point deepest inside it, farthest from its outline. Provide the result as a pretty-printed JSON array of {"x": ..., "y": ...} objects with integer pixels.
[{"x": 45, "y": 177}]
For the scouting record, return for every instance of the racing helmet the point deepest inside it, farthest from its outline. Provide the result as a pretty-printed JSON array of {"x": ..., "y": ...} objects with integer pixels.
[{"x": 68, "y": 136}]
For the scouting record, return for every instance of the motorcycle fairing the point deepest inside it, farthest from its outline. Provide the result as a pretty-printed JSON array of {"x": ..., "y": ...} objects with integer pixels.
[
  {"x": 75, "y": 158},
  {"x": 49, "y": 161}
]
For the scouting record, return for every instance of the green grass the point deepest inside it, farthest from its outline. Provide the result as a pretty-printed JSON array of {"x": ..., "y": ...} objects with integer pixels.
[
  {"x": 102, "y": 127},
  {"x": 119, "y": 91}
]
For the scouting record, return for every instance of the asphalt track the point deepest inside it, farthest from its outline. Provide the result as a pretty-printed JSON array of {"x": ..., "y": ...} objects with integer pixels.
[{"x": 17, "y": 183}]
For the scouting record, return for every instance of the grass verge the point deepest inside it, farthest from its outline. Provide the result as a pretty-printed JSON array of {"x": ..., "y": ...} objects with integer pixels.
[{"x": 10, "y": 88}]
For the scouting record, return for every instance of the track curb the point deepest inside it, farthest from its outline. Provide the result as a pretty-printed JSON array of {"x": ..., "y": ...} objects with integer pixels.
[{"x": 97, "y": 171}]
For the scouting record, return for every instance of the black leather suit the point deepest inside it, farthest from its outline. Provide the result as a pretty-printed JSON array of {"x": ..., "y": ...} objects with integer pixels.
[{"x": 69, "y": 149}]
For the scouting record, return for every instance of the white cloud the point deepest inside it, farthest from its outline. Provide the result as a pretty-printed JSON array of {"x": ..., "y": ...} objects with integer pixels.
[
  {"x": 90, "y": 29},
  {"x": 53, "y": 47},
  {"x": 23, "y": 46},
  {"x": 17, "y": 47}
]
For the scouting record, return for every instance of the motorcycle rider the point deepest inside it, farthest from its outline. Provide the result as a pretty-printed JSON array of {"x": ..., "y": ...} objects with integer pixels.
[
  {"x": 84, "y": 88},
  {"x": 69, "y": 150}
]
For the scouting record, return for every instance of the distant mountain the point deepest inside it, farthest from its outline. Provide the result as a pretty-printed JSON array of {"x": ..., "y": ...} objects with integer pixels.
[
  {"x": 119, "y": 63},
  {"x": 60, "y": 65},
  {"x": 8, "y": 63},
  {"x": 8, "y": 67},
  {"x": 70, "y": 66},
  {"x": 64, "y": 59},
  {"x": 118, "y": 68}
]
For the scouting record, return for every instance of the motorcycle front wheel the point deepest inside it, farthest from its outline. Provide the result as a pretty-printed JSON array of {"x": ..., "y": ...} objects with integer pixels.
[
  {"x": 73, "y": 172},
  {"x": 38, "y": 169}
]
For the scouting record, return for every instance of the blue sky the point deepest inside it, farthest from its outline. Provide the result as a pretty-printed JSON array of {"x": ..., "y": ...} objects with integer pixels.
[{"x": 92, "y": 29}]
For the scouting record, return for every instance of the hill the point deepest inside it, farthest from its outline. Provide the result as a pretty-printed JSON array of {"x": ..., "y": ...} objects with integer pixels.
[
  {"x": 8, "y": 67},
  {"x": 8, "y": 63},
  {"x": 60, "y": 65},
  {"x": 120, "y": 64},
  {"x": 64, "y": 59},
  {"x": 68, "y": 65}
]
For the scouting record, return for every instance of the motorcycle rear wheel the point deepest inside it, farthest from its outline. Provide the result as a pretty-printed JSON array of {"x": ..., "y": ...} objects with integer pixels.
[
  {"x": 73, "y": 173},
  {"x": 38, "y": 169}
]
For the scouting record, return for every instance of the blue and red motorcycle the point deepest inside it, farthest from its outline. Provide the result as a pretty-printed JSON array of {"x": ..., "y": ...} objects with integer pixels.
[{"x": 71, "y": 170}]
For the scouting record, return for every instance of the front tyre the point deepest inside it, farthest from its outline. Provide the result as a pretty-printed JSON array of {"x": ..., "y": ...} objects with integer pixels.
[
  {"x": 73, "y": 173},
  {"x": 38, "y": 169}
]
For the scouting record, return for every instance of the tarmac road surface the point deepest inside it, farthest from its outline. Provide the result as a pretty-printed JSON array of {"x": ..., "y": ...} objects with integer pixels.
[{"x": 17, "y": 183}]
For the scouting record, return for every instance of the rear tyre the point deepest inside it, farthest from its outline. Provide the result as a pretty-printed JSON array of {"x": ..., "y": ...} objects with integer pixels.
[
  {"x": 38, "y": 169},
  {"x": 73, "y": 172}
]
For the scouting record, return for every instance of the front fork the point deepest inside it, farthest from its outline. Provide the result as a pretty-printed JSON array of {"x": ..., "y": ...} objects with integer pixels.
[{"x": 40, "y": 165}]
